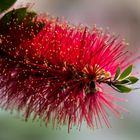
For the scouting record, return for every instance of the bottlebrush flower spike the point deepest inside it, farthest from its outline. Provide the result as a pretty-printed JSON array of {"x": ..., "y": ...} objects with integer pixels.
[{"x": 59, "y": 73}]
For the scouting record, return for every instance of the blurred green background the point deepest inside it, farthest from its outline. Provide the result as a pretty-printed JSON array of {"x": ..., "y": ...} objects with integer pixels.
[{"x": 122, "y": 16}]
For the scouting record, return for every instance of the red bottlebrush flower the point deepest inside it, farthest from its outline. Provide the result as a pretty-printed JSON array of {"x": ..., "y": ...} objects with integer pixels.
[{"x": 58, "y": 73}]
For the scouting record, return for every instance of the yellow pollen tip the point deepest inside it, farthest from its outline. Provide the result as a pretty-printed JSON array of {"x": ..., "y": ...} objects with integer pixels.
[{"x": 107, "y": 74}]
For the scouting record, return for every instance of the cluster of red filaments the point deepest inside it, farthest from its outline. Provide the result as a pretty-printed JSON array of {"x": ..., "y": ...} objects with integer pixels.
[{"x": 58, "y": 73}]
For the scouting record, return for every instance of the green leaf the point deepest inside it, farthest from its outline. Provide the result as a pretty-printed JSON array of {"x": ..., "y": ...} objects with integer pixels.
[
  {"x": 117, "y": 73},
  {"x": 132, "y": 79},
  {"x": 5, "y": 4},
  {"x": 14, "y": 14},
  {"x": 126, "y": 73},
  {"x": 30, "y": 16},
  {"x": 125, "y": 81},
  {"x": 122, "y": 88},
  {"x": 20, "y": 14},
  {"x": 16, "y": 17}
]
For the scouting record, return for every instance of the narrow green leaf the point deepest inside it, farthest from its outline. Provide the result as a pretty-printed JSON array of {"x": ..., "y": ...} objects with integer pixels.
[
  {"x": 125, "y": 81},
  {"x": 122, "y": 88},
  {"x": 126, "y": 73},
  {"x": 133, "y": 79},
  {"x": 5, "y": 4},
  {"x": 117, "y": 73}
]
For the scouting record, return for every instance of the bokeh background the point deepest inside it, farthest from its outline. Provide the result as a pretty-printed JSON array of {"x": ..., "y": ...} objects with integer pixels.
[{"x": 121, "y": 16}]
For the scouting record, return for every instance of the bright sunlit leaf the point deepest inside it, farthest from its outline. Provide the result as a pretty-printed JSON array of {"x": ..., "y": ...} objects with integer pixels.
[{"x": 126, "y": 73}]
